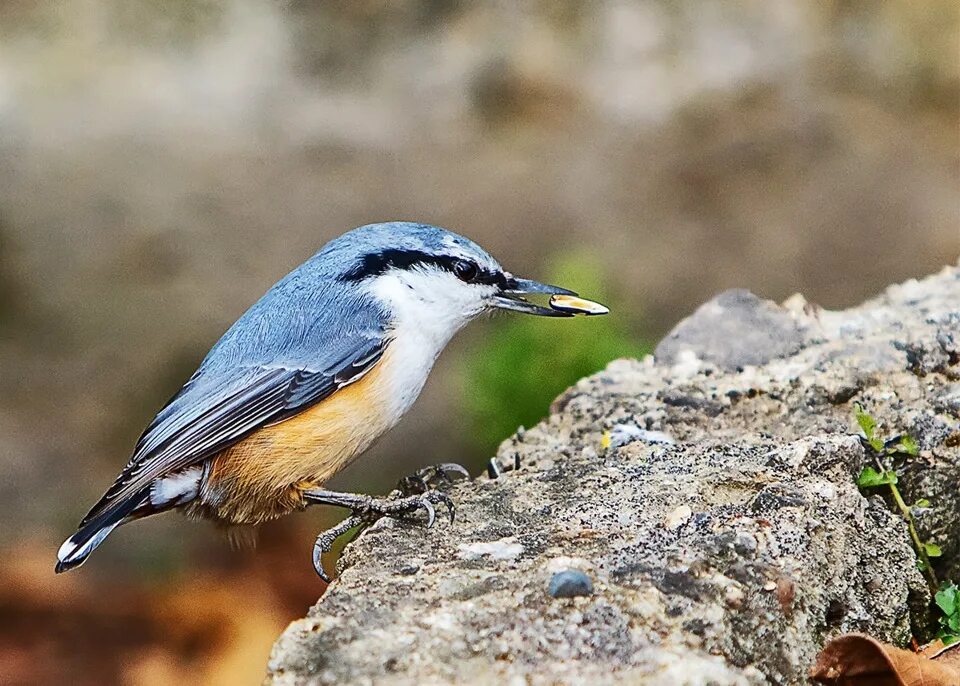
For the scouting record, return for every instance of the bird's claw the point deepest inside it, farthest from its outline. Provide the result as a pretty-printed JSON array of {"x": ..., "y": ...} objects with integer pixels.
[
  {"x": 395, "y": 506},
  {"x": 407, "y": 505},
  {"x": 431, "y": 513},
  {"x": 318, "y": 550},
  {"x": 440, "y": 474},
  {"x": 325, "y": 541}
]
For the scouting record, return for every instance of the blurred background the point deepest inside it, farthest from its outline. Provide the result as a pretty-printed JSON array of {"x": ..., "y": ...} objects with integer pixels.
[{"x": 163, "y": 162}]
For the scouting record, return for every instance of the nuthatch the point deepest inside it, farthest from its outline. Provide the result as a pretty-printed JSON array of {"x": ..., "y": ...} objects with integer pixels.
[{"x": 323, "y": 364}]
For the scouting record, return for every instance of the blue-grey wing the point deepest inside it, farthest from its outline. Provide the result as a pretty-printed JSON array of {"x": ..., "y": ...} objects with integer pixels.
[{"x": 219, "y": 407}]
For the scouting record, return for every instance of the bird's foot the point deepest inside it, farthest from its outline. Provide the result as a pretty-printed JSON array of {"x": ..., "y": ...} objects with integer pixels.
[
  {"x": 366, "y": 510},
  {"x": 397, "y": 505},
  {"x": 422, "y": 480}
]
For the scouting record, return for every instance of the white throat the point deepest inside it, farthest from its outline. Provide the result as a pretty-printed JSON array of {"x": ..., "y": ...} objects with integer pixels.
[
  {"x": 431, "y": 303},
  {"x": 427, "y": 308}
]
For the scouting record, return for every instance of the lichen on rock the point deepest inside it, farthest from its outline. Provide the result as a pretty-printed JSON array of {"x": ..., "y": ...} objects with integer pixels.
[{"x": 724, "y": 554}]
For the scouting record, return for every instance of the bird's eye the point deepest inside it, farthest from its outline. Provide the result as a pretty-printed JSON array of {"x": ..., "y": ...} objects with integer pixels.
[{"x": 465, "y": 270}]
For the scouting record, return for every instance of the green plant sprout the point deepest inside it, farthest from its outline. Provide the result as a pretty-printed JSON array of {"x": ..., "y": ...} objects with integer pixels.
[
  {"x": 946, "y": 595},
  {"x": 948, "y": 600},
  {"x": 884, "y": 475}
]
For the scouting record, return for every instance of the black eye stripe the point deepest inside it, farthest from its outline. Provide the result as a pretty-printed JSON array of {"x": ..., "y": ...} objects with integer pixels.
[
  {"x": 491, "y": 279},
  {"x": 374, "y": 264}
]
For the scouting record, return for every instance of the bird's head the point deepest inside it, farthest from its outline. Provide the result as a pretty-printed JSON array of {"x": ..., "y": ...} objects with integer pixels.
[{"x": 436, "y": 279}]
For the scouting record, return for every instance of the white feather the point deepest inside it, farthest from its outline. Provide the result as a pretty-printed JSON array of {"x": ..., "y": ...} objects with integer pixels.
[
  {"x": 428, "y": 307},
  {"x": 69, "y": 551},
  {"x": 177, "y": 488},
  {"x": 68, "y": 547}
]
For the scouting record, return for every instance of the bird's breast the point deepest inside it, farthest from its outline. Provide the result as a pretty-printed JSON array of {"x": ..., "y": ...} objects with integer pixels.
[
  {"x": 245, "y": 481},
  {"x": 407, "y": 362}
]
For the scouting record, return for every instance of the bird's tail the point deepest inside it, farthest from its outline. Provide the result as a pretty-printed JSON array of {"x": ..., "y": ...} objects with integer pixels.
[{"x": 76, "y": 549}]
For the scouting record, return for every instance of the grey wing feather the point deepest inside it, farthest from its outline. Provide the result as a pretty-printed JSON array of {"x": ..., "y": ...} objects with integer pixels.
[{"x": 207, "y": 416}]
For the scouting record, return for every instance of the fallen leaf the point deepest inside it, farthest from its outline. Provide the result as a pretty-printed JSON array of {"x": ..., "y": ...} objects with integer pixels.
[
  {"x": 858, "y": 660},
  {"x": 944, "y": 654}
]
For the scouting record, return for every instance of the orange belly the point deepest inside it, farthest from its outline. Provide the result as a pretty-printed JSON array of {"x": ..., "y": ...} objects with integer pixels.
[{"x": 264, "y": 475}]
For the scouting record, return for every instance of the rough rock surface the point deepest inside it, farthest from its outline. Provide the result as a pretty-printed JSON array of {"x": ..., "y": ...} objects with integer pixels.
[
  {"x": 726, "y": 557},
  {"x": 733, "y": 330}
]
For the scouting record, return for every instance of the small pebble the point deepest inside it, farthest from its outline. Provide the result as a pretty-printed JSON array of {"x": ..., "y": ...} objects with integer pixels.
[
  {"x": 678, "y": 517},
  {"x": 622, "y": 434},
  {"x": 733, "y": 597},
  {"x": 745, "y": 543},
  {"x": 502, "y": 549},
  {"x": 570, "y": 583}
]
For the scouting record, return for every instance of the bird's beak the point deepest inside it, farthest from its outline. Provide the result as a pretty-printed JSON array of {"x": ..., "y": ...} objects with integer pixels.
[{"x": 511, "y": 297}]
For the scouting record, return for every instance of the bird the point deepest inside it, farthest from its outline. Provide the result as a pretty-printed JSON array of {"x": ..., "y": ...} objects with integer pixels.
[{"x": 329, "y": 359}]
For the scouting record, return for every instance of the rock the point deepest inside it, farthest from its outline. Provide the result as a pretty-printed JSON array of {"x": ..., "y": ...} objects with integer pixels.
[
  {"x": 570, "y": 583},
  {"x": 733, "y": 330},
  {"x": 726, "y": 557}
]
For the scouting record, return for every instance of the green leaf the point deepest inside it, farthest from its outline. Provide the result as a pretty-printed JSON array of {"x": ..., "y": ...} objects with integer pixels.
[
  {"x": 946, "y": 599},
  {"x": 868, "y": 425},
  {"x": 871, "y": 478},
  {"x": 933, "y": 550},
  {"x": 877, "y": 444},
  {"x": 908, "y": 445},
  {"x": 923, "y": 503},
  {"x": 953, "y": 621},
  {"x": 921, "y": 565},
  {"x": 949, "y": 639}
]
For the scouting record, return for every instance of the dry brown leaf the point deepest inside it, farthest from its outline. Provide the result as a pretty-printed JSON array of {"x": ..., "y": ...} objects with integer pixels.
[
  {"x": 858, "y": 660},
  {"x": 944, "y": 655}
]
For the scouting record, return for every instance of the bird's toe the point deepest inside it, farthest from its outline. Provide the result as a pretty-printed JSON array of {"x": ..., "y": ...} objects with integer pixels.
[{"x": 424, "y": 479}]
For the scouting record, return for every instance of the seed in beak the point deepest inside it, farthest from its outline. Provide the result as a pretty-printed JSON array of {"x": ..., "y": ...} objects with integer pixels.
[{"x": 575, "y": 305}]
